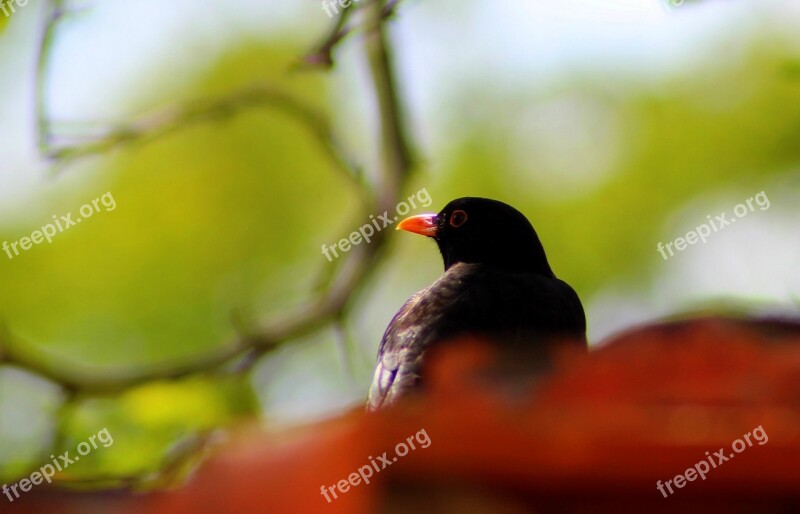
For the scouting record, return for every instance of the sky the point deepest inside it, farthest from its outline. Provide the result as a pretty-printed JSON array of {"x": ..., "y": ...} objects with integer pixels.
[{"x": 107, "y": 46}]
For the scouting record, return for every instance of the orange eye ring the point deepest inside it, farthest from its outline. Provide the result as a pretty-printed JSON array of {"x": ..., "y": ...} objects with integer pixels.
[{"x": 458, "y": 218}]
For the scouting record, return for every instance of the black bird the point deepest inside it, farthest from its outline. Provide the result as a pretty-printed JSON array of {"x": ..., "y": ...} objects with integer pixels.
[{"x": 497, "y": 283}]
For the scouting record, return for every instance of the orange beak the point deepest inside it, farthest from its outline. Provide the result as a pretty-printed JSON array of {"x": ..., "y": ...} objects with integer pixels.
[{"x": 424, "y": 224}]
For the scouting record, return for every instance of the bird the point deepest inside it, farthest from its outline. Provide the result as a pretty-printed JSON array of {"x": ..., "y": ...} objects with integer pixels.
[{"x": 497, "y": 283}]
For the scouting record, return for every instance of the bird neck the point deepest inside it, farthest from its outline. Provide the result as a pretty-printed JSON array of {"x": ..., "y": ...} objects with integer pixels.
[{"x": 528, "y": 259}]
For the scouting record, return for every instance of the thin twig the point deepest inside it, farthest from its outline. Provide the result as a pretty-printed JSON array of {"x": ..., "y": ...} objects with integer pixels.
[
  {"x": 54, "y": 12},
  {"x": 396, "y": 153},
  {"x": 321, "y": 309},
  {"x": 322, "y": 54},
  {"x": 181, "y": 117}
]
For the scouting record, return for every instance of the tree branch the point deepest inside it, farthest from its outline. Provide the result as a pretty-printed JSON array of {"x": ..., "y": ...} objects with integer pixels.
[
  {"x": 54, "y": 11},
  {"x": 320, "y": 310},
  {"x": 322, "y": 53},
  {"x": 191, "y": 113}
]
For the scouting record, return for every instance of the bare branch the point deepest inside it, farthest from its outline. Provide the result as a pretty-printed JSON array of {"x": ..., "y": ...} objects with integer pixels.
[
  {"x": 397, "y": 160},
  {"x": 322, "y": 54},
  {"x": 328, "y": 305},
  {"x": 181, "y": 117},
  {"x": 54, "y": 12}
]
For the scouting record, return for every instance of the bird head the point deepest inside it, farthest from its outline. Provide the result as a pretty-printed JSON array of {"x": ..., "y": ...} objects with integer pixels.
[{"x": 482, "y": 231}]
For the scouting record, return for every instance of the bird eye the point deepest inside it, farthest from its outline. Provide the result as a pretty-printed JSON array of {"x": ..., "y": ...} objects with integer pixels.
[{"x": 458, "y": 218}]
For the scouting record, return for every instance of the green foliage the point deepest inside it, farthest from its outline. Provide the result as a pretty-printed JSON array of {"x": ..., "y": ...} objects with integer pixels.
[
  {"x": 214, "y": 226},
  {"x": 148, "y": 426},
  {"x": 733, "y": 128},
  {"x": 211, "y": 227},
  {"x": 217, "y": 225},
  {"x": 4, "y": 18}
]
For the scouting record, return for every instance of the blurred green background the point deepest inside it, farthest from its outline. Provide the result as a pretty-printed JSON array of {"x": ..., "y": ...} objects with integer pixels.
[{"x": 612, "y": 125}]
